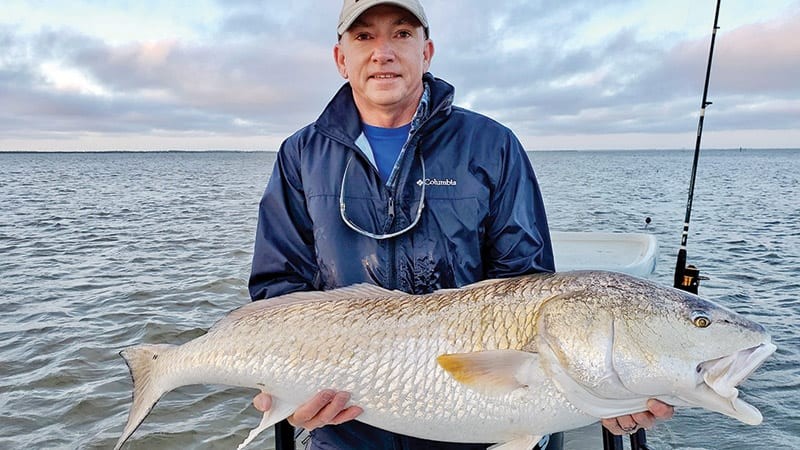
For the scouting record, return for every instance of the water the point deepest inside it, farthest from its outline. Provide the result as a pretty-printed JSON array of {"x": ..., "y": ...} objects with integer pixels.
[{"x": 102, "y": 251}]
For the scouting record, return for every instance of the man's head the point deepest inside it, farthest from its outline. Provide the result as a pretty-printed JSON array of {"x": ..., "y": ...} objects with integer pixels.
[
  {"x": 383, "y": 51},
  {"x": 352, "y": 9}
]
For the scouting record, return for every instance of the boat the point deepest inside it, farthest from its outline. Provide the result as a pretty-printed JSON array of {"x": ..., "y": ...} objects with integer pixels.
[{"x": 631, "y": 253}]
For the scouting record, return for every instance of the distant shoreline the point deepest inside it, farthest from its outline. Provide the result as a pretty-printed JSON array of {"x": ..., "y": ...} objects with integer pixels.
[{"x": 275, "y": 151}]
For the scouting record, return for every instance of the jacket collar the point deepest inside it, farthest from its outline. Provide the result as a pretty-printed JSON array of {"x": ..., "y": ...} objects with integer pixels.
[{"x": 340, "y": 119}]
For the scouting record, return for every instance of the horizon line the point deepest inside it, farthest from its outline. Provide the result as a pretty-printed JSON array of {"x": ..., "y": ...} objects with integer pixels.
[{"x": 276, "y": 151}]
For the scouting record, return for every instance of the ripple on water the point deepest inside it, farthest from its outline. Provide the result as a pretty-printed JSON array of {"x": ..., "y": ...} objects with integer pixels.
[{"x": 131, "y": 248}]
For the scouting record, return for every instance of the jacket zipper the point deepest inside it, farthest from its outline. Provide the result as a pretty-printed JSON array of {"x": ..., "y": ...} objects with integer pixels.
[{"x": 392, "y": 244}]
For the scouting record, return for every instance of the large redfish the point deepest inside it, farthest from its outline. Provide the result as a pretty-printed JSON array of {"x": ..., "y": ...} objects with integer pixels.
[{"x": 502, "y": 361}]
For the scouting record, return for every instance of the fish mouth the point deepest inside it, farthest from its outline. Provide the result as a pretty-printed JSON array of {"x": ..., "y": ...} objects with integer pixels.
[
  {"x": 718, "y": 378},
  {"x": 724, "y": 374}
]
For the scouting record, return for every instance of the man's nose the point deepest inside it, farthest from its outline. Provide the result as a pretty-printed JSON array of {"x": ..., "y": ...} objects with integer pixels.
[{"x": 383, "y": 51}]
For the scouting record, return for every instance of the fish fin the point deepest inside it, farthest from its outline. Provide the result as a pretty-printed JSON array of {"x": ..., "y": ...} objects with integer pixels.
[
  {"x": 354, "y": 292},
  {"x": 521, "y": 443},
  {"x": 480, "y": 284},
  {"x": 475, "y": 285},
  {"x": 147, "y": 389},
  {"x": 270, "y": 418},
  {"x": 494, "y": 372}
]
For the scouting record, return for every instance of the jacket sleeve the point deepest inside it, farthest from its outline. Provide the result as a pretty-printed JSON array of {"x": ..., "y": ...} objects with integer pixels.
[
  {"x": 518, "y": 235},
  {"x": 283, "y": 256}
]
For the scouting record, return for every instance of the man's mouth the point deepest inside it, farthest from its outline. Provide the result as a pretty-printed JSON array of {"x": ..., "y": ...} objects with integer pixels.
[{"x": 384, "y": 76}]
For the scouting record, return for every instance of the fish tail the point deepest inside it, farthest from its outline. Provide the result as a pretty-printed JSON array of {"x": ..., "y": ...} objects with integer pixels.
[{"x": 143, "y": 362}]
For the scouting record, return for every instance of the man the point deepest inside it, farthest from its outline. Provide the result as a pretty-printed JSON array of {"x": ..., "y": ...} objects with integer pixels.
[{"x": 393, "y": 185}]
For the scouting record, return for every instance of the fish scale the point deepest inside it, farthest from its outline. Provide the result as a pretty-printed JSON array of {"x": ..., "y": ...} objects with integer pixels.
[{"x": 499, "y": 361}]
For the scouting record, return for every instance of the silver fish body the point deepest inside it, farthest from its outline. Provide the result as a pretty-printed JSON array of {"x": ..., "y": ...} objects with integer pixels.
[{"x": 499, "y": 361}]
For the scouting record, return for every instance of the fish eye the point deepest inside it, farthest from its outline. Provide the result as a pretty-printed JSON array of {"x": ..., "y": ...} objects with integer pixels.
[{"x": 700, "y": 319}]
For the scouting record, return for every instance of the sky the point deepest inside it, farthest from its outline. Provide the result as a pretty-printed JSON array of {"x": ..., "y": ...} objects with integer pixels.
[{"x": 245, "y": 74}]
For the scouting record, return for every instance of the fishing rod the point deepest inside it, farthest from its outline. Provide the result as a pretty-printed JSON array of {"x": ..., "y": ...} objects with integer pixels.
[{"x": 687, "y": 278}]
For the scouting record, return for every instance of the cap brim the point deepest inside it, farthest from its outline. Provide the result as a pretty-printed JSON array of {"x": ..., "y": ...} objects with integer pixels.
[{"x": 347, "y": 22}]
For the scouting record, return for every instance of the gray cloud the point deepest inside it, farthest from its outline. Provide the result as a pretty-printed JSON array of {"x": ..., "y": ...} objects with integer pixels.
[
  {"x": 632, "y": 84},
  {"x": 248, "y": 87},
  {"x": 266, "y": 72}
]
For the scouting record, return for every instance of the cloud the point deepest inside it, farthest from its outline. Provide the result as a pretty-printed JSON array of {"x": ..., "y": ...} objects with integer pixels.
[
  {"x": 761, "y": 58},
  {"x": 266, "y": 86},
  {"x": 261, "y": 72},
  {"x": 624, "y": 83}
]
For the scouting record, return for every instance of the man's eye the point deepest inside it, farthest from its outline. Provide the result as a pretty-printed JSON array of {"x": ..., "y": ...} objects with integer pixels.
[
  {"x": 362, "y": 36},
  {"x": 404, "y": 34}
]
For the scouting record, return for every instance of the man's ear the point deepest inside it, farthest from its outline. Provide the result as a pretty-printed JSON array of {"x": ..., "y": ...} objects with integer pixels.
[
  {"x": 338, "y": 57},
  {"x": 427, "y": 53}
]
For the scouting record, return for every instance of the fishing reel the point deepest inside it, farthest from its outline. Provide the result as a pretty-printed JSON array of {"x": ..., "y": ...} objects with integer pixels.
[{"x": 691, "y": 279}]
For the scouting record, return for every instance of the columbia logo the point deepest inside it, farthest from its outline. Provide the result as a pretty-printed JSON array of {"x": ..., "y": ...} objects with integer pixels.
[{"x": 436, "y": 182}]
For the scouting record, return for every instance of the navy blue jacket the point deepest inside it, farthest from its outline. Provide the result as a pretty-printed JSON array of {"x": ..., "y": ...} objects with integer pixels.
[{"x": 483, "y": 214}]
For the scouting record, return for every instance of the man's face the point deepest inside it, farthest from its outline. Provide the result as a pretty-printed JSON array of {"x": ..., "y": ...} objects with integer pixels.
[{"x": 384, "y": 55}]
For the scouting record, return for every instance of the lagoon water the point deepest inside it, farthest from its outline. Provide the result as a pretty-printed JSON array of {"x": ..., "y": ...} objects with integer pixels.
[{"x": 99, "y": 251}]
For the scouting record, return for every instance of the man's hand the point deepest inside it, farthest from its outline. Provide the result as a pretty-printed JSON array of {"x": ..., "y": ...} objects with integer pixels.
[
  {"x": 630, "y": 424},
  {"x": 326, "y": 408}
]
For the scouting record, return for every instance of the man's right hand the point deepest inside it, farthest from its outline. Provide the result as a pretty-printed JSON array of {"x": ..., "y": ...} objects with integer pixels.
[{"x": 328, "y": 407}]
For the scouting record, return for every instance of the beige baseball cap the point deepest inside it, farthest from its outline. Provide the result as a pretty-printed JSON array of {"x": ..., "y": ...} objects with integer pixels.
[{"x": 351, "y": 9}]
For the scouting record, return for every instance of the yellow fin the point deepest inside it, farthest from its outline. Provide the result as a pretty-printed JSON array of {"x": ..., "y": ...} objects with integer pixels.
[{"x": 495, "y": 372}]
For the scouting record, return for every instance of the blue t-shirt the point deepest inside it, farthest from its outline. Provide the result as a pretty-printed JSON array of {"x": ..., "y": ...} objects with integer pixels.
[{"x": 386, "y": 144}]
